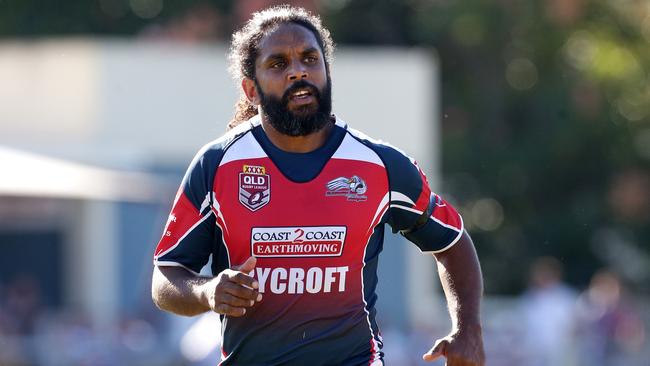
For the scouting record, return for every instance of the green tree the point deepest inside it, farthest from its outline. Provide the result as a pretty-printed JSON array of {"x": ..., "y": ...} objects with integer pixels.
[{"x": 546, "y": 121}]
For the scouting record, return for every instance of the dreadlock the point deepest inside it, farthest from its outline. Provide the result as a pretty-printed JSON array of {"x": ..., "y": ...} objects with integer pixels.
[{"x": 245, "y": 47}]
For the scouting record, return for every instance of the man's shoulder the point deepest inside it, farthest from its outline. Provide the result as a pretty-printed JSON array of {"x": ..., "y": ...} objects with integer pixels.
[
  {"x": 388, "y": 153},
  {"x": 219, "y": 145},
  {"x": 213, "y": 152}
]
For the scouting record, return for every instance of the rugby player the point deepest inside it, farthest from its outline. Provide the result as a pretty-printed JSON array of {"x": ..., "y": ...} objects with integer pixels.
[{"x": 290, "y": 205}]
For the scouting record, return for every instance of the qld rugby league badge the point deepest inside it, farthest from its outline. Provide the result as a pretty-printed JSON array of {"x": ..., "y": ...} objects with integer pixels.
[{"x": 254, "y": 187}]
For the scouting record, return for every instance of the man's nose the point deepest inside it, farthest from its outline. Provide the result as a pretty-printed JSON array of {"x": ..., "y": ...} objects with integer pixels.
[{"x": 296, "y": 72}]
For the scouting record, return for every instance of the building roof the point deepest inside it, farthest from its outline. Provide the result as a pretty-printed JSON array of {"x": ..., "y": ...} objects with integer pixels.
[{"x": 33, "y": 175}]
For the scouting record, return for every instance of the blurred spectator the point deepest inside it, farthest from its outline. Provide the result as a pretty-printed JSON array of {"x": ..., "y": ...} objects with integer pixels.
[
  {"x": 548, "y": 309},
  {"x": 21, "y": 305},
  {"x": 20, "y": 308},
  {"x": 611, "y": 331}
]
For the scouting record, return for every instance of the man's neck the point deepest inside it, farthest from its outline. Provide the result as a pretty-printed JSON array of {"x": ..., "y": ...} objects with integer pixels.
[{"x": 297, "y": 144}]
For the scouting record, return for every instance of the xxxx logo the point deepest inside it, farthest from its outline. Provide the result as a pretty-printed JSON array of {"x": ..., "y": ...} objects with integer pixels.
[
  {"x": 254, "y": 187},
  {"x": 252, "y": 169}
]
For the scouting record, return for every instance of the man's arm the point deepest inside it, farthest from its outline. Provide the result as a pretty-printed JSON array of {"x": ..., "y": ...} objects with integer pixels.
[
  {"x": 179, "y": 291},
  {"x": 462, "y": 282}
]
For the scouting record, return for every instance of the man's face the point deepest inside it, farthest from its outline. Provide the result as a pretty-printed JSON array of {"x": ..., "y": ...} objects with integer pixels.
[{"x": 292, "y": 82}]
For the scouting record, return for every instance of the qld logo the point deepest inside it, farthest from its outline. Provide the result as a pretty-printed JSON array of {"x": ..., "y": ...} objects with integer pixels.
[
  {"x": 351, "y": 188},
  {"x": 254, "y": 187}
]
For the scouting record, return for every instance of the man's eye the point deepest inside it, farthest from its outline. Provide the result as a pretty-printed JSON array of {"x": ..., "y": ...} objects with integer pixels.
[
  {"x": 310, "y": 59},
  {"x": 277, "y": 65}
]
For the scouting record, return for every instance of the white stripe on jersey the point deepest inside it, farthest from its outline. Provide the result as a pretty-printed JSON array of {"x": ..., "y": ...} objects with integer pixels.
[
  {"x": 380, "y": 210},
  {"x": 173, "y": 264},
  {"x": 363, "y": 136},
  {"x": 351, "y": 149},
  {"x": 399, "y": 196},
  {"x": 217, "y": 211},
  {"x": 184, "y": 235},
  {"x": 405, "y": 208},
  {"x": 244, "y": 148},
  {"x": 449, "y": 226},
  {"x": 375, "y": 361},
  {"x": 456, "y": 239}
]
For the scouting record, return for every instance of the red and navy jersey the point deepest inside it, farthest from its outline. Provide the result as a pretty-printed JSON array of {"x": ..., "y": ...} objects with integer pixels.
[{"x": 315, "y": 223}]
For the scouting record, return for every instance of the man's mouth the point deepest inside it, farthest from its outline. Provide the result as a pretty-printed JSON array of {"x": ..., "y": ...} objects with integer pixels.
[
  {"x": 302, "y": 96},
  {"x": 301, "y": 93}
]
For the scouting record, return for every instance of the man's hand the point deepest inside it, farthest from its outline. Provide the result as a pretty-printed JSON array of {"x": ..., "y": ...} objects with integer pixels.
[
  {"x": 233, "y": 290},
  {"x": 460, "y": 276},
  {"x": 464, "y": 349}
]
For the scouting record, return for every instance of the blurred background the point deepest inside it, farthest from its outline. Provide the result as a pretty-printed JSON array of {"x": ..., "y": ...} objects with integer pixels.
[{"x": 532, "y": 117}]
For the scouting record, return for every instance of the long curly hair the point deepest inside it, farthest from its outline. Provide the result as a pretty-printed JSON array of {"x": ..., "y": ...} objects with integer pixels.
[{"x": 244, "y": 48}]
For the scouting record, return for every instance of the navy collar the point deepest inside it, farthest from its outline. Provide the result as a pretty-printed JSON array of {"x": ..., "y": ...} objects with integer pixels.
[{"x": 300, "y": 167}]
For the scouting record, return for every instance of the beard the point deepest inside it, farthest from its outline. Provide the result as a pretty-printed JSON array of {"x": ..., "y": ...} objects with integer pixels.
[{"x": 305, "y": 121}]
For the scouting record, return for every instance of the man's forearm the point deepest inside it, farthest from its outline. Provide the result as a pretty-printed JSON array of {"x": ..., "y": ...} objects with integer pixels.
[
  {"x": 176, "y": 290},
  {"x": 460, "y": 275}
]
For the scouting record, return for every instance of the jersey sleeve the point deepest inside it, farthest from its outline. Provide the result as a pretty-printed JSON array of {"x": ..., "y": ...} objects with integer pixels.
[
  {"x": 420, "y": 215},
  {"x": 187, "y": 239}
]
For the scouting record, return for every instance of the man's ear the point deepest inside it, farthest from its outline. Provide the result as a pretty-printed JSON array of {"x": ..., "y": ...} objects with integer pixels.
[{"x": 248, "y": 86}]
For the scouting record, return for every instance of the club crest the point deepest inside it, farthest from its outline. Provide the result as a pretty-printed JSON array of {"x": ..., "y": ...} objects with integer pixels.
[
  {"x": 351, "y": 188},
  {"x": 254, "y": 187}
]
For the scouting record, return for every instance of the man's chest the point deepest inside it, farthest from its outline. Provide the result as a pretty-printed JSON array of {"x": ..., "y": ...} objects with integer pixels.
[{"x": 328, "y": 219}]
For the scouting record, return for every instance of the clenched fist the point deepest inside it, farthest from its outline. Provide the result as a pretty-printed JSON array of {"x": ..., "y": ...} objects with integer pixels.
[{"x": 233, "y": 290}]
